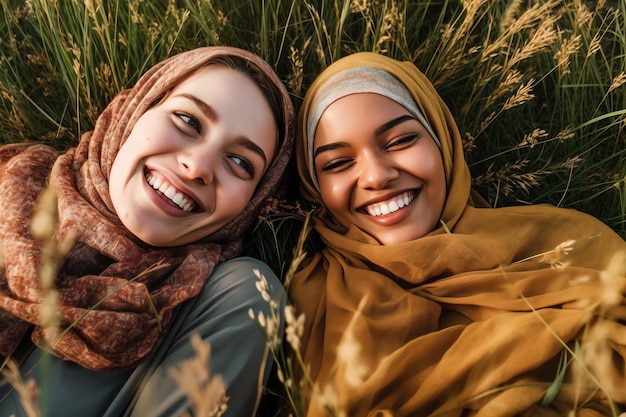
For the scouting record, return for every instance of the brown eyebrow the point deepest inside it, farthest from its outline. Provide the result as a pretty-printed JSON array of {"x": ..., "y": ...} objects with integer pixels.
[
  {"x": 205, "y": 108},
  {"x": 212, "y": 116},
  {"x": 247, "y": 143},
  {"x": 329, "y": 147},
  {"x": 392, "y": 123}
]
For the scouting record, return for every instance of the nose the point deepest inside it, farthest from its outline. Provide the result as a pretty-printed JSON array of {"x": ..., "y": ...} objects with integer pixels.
[
  {"x": 376, "y": 172},
  {"x": 197, "y": 164}
]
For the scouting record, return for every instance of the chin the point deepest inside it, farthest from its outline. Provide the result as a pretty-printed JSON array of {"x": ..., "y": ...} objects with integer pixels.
[{"x": 398, "y": 237}]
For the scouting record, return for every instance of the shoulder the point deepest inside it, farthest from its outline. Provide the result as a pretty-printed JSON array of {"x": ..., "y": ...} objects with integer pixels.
[{"x": 243, "y": 273}]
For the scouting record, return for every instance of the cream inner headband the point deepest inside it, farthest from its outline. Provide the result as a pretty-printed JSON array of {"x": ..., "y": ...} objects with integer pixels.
[{"x": 354, "y": 81}]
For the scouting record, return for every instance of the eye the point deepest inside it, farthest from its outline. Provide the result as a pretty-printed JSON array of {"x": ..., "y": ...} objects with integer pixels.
[
  {"x": 402, "y": 142},
  {"x": 336, "y": 165},
  {"x": 189, "y": 121},
  {"x": 242, "y": 165}
]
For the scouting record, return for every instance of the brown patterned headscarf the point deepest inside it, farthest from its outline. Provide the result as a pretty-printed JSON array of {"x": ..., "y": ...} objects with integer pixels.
[
  {"x": 112, "y": 313},
  {"x": 479, "y": 317}
]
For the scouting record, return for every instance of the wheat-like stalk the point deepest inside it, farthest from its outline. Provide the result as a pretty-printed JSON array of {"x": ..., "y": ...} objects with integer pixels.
[{"x": 206, "y": 392}]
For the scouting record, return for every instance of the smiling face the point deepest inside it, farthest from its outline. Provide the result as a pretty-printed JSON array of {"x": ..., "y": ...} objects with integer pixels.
[
  {"x": 192, "y": 163},
  {"x": 378, "y": 168}
]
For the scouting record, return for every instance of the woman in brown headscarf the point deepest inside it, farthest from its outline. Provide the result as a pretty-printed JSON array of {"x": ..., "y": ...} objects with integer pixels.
[
  {"x": 425, "y": 301},
  {"x": 156, "y": 200}
]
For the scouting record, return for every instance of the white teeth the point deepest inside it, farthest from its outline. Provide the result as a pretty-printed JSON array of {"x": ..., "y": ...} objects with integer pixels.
[
  {"x": 154, "y": 182},
  {"x": 391, "y": 205},
  {"x": 170, "y": 192},
  {"x": 178, "y": 198}
]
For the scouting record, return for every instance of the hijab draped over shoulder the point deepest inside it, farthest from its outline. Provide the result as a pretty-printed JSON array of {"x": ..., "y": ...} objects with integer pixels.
[
  {"x": 112, "y": 308},
  {"x": 480, "y": 317}
]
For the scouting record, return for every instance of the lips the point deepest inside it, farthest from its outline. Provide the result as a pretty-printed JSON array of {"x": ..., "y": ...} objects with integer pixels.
[
  {"x": 392, "y": 205},
  {"x": 176, "y": 197}
]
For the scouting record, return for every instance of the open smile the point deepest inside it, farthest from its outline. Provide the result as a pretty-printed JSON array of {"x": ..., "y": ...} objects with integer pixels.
[
  {"x": 392, "y": 205},
  {"x": 176, "y": 197}
]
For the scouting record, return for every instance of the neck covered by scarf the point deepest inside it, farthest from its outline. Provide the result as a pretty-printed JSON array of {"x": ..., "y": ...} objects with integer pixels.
[
  {"x": 479, "y": 317},
  {"x": 114, "y": 302}
]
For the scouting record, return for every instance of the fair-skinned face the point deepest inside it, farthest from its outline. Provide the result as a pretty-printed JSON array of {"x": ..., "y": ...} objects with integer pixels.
[
  {"x": 378, "y": 168},
  {"x": 192, "y": 162}
]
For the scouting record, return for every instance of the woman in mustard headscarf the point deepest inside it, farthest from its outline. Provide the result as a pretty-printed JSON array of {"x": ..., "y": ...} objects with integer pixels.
[
  {"x": 155, "y": 201},
  {"x": 425, "y": 301}
]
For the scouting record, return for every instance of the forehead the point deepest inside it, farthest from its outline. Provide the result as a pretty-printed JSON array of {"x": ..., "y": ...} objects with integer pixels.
[
  {"x": 230, "y": 92},
  {"x": 213, "y": 74},
  {"x": 356, "y": 114}
]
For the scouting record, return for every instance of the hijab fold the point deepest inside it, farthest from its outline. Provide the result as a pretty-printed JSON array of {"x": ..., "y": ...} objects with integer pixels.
[
  {"x": 471, "y": 322},
  {"x": 116, "y": 293}
]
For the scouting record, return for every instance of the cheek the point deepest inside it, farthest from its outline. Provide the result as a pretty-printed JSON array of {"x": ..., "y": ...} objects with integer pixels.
[
  {"x": 336, "y": 196},
  {"x": 236, "y": 197}
]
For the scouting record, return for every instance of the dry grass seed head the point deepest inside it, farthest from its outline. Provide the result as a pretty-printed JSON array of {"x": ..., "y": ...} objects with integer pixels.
[
  {"x": 564, "y": 135},
  {"x": 43, "y": 228},
  {"x": 270, "y": 324},
  {"x": 328, "y": 400},
  {"x": 512, "y": 79},
  {"x": 509, "y": 17},
  {"x": 206, "y": 393},
  {"x": 294, "y": 328},
  {"x": 454, "y": 35},
  {"x": 584, "y": 16},
  {"x": 91, "y": 10},
  {"x": 392, "y": 27},
  {"x": 135, "y": 16},
  {"x": 296, "y": 60},
  {"x": 523, "y": 94},
  {"x": 597, "y": 354},
  {"x": 45, "y": 216},
  {"x": 613, "y": 279},
  {"x": 348, "y": 352},
  {"x": 527, "y": 19},
  {"x": 618, "y": 81},
  {"x": 569, "y": 46},
  {"x": 25, "y": 11},
  {"x": 468, "y": 142},
  {"x": 359, "y": 6},
  {"x": 532, "y": 138},
  {"x": 16, "y": 117},
  {"x": 570, "y": 163},
  {"x": 594, "y": 45},
  {"x": 597, "y": 350},
  {"x": 27, "y": 390},
  {"x": 556, "y": 258},
  {"x": 486, "y": 122},
  {"x": 544, "y": 36},
  {"x": 514, "y": 176}
]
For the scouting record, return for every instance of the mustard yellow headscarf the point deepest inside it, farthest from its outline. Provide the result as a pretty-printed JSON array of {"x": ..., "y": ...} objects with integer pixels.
[{"x": 481, "y": 319}]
